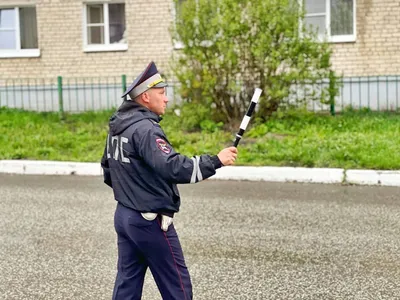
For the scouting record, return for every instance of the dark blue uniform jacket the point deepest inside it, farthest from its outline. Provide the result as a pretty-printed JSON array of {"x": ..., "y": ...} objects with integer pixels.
[{"x": 141, "y": 166}]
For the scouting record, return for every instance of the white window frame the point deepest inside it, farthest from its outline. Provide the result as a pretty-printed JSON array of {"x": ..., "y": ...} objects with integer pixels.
[
  {"x": 18, "y": 52},
  {"x": 336, "y": 38},
  {"x": 106, "y": 46}
]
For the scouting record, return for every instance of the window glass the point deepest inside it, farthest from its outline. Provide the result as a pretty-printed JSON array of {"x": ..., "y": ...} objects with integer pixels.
[
  {"x": 95, "y": 14},
  {"x": 342, "y": 17},
  {"x": 96, "y": 35},
  {"x": 7, "y": 39},
  {"x": 315, "y": 6},
  {"x": 117, "y": 22},
  {"x": 28, "y": 28},
  {"x": 7, "y": 29},
  {"x": 95, "y": 20},
  {"x": 7, "y": 18},
  {"x": 317, "y": 23}
]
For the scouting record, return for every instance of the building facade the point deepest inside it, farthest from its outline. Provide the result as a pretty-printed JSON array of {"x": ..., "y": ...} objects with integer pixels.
[
  {"x": 75, "y": 38},
  {"x": 45, "y": 39},
  {"x": 373, "y": 37}
]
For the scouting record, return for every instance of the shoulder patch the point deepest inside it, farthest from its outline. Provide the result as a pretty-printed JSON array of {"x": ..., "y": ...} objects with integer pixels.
[{"x": 163, "y": 146}]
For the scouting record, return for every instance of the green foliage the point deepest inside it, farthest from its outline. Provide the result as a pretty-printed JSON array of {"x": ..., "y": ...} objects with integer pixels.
[
  {"x": 194, "y": 117},
  {"x": 350, "y": 140},
  {"x": 30, "y": 135},
  {"x": 210, "y": 126},
  {"x": 193, "y": 114},
  {"x": 231, "y": 47}
]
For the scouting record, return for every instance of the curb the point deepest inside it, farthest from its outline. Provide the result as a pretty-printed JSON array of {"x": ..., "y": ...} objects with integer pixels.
[
  {"x": 37, "y": 167},
  {"x": 272, "y": 174},
  {"x": 281, "y": 174},
  {"x": 372, "y": 177}
]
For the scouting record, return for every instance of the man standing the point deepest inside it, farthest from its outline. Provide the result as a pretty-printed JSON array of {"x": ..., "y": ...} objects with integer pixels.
[{"x": 143, "y": 170}]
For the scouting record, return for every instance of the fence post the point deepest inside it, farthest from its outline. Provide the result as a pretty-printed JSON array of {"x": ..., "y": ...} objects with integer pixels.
[
  {"x": 60, "y": 97},
  {"x": 124, "y": 85},
  {"x": 332, "y": 92}
]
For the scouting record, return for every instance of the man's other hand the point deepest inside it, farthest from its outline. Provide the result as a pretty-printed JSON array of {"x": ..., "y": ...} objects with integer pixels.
[{"x": 228, "y": 156}]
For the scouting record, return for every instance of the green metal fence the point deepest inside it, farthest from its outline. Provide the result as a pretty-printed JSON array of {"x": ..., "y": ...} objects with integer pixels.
[
  {"x": 378, "y": 93},
  {"x": 62, "y": 94}
]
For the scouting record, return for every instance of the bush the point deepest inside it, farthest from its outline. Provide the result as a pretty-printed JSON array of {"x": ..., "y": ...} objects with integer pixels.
[{"x": 233, "y": 46}]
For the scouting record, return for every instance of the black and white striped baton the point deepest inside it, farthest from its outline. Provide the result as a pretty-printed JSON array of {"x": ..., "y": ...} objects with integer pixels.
[{"x": 246, "y": 118}]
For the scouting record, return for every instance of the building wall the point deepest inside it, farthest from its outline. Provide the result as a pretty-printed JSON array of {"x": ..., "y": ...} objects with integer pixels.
[
  {"x": 61, "y": 42},
  {"x": 376, "y": 50}
]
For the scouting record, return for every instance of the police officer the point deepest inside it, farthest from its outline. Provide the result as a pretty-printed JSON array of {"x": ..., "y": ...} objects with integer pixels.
[{"x": 143, "y": 170}]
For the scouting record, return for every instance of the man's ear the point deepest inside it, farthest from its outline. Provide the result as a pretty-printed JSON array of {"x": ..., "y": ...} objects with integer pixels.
[{"x": 146, "y": 97}]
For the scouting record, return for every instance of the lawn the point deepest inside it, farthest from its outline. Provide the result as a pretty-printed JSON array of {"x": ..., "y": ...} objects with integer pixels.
[{"x": 352, "y": 140}]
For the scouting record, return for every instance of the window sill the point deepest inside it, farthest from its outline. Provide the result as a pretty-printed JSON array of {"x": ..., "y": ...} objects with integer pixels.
[
  {"x": 343, "y": 39},
  {"x": 9, "y": 53},
  {"x": 104, "y": 48}
]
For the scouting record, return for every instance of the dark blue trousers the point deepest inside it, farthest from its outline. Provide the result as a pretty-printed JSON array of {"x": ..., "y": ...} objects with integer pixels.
[{"x": 142, "y": 244}]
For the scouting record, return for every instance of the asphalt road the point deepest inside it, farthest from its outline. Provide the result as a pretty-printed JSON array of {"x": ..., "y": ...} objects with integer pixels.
[{"x": 241, "y": 240}]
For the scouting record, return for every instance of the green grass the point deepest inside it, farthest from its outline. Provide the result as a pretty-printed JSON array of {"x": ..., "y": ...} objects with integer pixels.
[
  {"x": 356, "y": 140},
  {"x": 41, "y": 136},
  {"x": 352, "y": 140}
]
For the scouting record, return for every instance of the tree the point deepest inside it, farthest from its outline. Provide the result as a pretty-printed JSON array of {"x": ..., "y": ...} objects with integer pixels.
[{"x": 232, "y": 46}]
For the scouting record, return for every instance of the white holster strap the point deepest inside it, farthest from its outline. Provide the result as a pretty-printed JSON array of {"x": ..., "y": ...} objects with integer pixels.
[
  {"x": 149, "y": 216},
  {"x": 165, "y": 222}
]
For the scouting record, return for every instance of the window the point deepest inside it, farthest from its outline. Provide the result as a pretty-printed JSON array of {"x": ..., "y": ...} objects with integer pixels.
[
  {"x": 176, "y": 14},
  {"x": 104, "y": 27},
  {"x": 333, "y": 19},
  {"x": 18, "y": 32}
]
